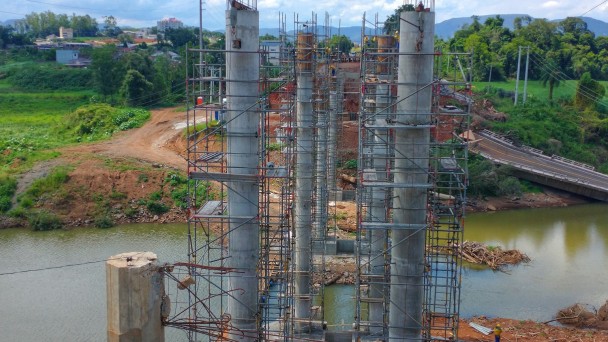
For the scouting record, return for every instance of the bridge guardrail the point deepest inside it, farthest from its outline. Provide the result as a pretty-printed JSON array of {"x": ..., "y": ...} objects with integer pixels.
[
  {"x": 543, "y": 173},
  {"x": 537, "y": 151}
]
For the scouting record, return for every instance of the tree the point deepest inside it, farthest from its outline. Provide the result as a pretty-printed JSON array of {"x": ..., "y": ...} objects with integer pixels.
[
  {"x": 588, "y": 92},
  {"x": 46, "y": 23},
  {"x": 483, "y": 177},
  {"x": 340, "y": 43},
  {"x": 135, "y": 88},
  {"x": 138, "y": 61},
  {"x": 180, "y": 37},
  {"x": 392, "y": 22},
  {"x": 5, "y": 33},
  {"x": 268, "y": 36},
  {"x": 107, "y": 70},
  {"x": 111, "y": 29},
  {"x": 83, "y": 26},
  {"x": 125, "y": 39},
  {"x": 551, "y": 75}
]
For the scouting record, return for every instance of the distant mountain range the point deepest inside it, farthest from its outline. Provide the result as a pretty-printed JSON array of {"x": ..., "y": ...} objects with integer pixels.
[{"x": 447, "y": 28}]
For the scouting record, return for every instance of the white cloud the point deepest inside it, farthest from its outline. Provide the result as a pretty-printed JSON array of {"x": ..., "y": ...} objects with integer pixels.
[{"x": 550, "y": 4}]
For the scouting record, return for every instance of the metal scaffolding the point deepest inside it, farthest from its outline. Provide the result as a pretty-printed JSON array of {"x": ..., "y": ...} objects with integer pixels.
[
  {"x": 310, "y": 200},
  {"x": 411, "y": 185},
  {"x": 240, "y": 135}
]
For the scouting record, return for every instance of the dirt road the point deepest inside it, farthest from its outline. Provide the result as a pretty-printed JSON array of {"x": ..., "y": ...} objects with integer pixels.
[{"x": 157, "y": 142}]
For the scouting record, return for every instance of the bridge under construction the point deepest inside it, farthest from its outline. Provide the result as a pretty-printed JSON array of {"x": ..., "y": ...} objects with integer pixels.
[{"x": 263, "y": 127}]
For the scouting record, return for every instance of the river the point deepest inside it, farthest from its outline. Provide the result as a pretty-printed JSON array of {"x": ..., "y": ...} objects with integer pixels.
[{"x": 568, "y": 248}]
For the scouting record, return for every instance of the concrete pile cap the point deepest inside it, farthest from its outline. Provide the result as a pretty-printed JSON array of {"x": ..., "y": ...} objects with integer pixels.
[{"x": 132, "y": 259}]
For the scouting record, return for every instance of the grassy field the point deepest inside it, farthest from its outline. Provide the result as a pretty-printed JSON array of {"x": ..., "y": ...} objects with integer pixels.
[
  {"x": 28, "y": 124},
  {"x": 535, "y": 89}
]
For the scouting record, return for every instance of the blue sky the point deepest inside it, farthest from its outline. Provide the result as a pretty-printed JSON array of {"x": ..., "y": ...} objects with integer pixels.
[{"x": 143, "y": 13}]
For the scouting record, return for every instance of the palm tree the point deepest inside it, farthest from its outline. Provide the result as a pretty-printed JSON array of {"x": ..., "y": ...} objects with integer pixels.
[{"x": 551, "y": 75}]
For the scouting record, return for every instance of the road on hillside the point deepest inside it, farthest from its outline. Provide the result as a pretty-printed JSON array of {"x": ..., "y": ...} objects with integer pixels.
[{"x": 504, "y": 152}]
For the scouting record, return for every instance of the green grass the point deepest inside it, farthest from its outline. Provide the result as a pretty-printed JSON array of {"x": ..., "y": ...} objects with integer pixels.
[
  {"x": 28, "y": 123},
  {"x": 199, "y": 128},
  {"x": 535, "y": 89},
  {"x": 34, "y": 123},
  {"x": 43, "y": 188},
  {"x": 8, "y": 185}
]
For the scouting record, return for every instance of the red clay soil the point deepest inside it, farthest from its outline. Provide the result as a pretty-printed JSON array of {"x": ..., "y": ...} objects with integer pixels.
[{"x": 528, "y": 331}]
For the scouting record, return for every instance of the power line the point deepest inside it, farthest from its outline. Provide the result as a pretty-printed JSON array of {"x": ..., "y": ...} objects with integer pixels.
[
  {"x": 63, "y": 266},
  {"x": 594, "y": 7},
  {"x": 559, "y": 75},
  {"x": 12, "y": 13}
]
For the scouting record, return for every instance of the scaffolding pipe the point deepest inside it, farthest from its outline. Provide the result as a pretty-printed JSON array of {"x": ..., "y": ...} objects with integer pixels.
[
  {"x": 303, "y": 183},
  {"x": 321, "y": 169},
  {"x": 243, "y": 70},
  {"x": 379, "y": 195},
  {"x": 335, "y": 108},
  {"x": 332, "y": 138},
  {"x": 412, "y": 148}
]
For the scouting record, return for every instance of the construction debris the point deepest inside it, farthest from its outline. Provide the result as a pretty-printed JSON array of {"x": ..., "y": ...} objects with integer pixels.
[
  {"x": 349, "y": 179},
  {"x": 492, "y": 256},
  {"x": 480, "y": 328},
  {"x": 584, "y": 316}
]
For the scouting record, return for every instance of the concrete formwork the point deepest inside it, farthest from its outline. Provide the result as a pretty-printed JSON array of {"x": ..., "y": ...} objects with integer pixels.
[
  {"x": 242, "y": 117},
  {"x": 412, "y": 147}
]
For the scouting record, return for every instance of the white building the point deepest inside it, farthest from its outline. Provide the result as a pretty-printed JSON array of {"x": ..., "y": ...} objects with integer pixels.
[
  {"x": 272, "y": 49},
  {"x": 66, "y": 33},
  {"x": 170, "y": 23}
]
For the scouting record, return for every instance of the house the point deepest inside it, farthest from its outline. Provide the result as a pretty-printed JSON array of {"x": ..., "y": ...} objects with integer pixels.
[
  {"x": 65, "y": 56},
  {"x": 272, "y": 49},
  {"x": 174, "y": 57},
  {"x": 170, "y": 23},
  {"x": 71, "y": 58},
  {"x": 66, "y": 33}
]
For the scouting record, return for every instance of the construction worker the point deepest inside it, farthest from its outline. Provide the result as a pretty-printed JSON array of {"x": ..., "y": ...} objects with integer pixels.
[{"x": 497, "y": 332}]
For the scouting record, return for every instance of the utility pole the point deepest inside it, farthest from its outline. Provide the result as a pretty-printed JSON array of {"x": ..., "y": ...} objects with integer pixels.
[
  {"x": 526, "y": 74},
  {"x": 517, "y": 81}
]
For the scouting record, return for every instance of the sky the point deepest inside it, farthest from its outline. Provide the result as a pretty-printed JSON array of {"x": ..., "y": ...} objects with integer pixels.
[{"x": 344, "y": 13}]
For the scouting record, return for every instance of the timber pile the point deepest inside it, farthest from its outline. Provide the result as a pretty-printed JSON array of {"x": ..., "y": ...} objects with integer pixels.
[
  {"x": 584, "y": 316},
  {"x": 493, "y": 257}
]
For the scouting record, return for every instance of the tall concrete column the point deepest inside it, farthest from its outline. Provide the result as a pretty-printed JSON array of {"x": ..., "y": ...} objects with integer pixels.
[
  {"x": 135, "y": 291},
  {"x": 242, "y": 78},
  {"x": 378, "y": 210},
  {"x": 303, "y": 184},
  {"x": 411, "y": 174}
]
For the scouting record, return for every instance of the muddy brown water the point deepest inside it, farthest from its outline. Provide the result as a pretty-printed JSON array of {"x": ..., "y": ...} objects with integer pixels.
[{"x": 568, "y": 247}]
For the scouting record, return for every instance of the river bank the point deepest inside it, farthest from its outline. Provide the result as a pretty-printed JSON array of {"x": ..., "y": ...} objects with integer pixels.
[{"x": 118, "y": 178}]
